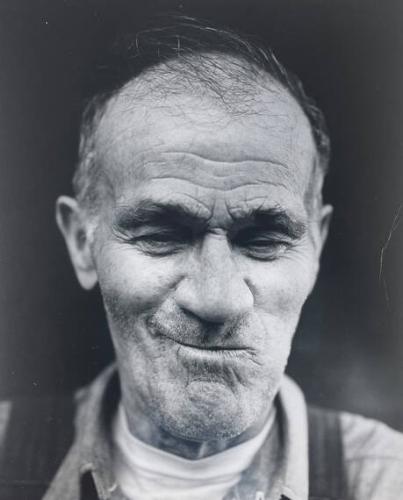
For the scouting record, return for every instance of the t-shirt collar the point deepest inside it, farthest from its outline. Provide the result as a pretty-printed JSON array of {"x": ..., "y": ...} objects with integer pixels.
[{"x": 280, "y": 469}]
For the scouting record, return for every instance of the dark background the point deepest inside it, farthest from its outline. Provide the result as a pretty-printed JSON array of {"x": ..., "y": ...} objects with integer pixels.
[{"x": 349, "y": 348}]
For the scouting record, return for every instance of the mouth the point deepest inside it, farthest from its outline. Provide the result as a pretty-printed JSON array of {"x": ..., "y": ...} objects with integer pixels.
[
  {"x": 203, "y": 351},
  {"x": 211, "y": 353},
  {"x": 209, "y": 348}
]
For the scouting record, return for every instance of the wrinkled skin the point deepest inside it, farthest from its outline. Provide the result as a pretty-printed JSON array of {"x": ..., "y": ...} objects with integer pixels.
[{"x": 205, "y": 251}]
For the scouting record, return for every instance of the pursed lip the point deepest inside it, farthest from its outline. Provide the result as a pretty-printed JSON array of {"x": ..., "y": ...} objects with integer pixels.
[
  {"x": 211, "y": 349},
  {"x": 233, "y": 348},
  {"x": 214, "y": 348}
]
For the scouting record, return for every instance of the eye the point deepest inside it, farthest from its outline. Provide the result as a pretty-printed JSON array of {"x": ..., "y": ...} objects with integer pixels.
[
  {"x": 262, "y": 244},
  {"x": 161, "y": 242}
]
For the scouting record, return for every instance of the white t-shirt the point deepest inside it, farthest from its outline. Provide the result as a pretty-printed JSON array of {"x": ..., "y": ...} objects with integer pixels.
[{"x": 144, "y": 472}]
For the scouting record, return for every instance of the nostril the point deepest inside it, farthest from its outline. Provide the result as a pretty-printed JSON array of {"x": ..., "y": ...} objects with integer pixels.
[
  {"x": 206, "y": 323},
  {"x": 214, "y": 289},
  {"x": 215, "y": 303}
]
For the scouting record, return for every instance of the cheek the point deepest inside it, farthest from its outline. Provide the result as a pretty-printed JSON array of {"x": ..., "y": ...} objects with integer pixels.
[
  {"x": 282, "y": 287},
  {"x": 135, "y": 281}
]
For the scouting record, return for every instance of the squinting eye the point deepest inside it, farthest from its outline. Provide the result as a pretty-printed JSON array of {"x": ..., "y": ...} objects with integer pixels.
[
  {"x": 262, "y": 247},
  {"x": 265, "y": 249},
  {"x": 161, "y": 243}
]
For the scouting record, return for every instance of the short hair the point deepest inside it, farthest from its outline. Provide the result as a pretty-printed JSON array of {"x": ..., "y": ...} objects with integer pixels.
[{"x": 180, "y": 39}]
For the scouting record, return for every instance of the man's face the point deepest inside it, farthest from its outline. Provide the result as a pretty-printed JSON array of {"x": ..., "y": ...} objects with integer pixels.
[{"x": 205, "y": 252}]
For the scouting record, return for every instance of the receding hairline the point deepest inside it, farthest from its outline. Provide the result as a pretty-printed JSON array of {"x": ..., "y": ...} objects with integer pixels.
[
  {"x": 235, "y": 97},
  {"x": 240, "y": 84},
  {"x": 250, "y": 96}
]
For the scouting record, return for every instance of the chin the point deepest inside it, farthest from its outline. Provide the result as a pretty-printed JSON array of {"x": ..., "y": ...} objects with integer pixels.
[
  {"x": 200, "y": 428},
  {"x": 208, "y": 412}
]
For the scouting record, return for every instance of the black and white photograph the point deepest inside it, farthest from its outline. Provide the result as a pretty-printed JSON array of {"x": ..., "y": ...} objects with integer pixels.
[{"x": 201, "y": 208}]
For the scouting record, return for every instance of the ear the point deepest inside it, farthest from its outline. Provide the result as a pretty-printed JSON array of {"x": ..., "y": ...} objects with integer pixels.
[
  {"x": 325, "y": 216},
  {"x": 70, "y": 219}
]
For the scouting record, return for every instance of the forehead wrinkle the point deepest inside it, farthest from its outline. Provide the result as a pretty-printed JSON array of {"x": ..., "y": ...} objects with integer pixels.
[
  {"x": 186, "y": 183},
  {"x": 231, "y": 188},
  {"x": 237, "y": 182},
  {"x": 208, "y": 173},
  {"x": 217, "y": 169},
  {"x": 221, "y": 161},
  {"x": 109, "y": 142}
]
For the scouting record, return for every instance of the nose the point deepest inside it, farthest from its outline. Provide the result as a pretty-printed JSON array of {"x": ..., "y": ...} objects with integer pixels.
[{"x": 213, "y": 288}]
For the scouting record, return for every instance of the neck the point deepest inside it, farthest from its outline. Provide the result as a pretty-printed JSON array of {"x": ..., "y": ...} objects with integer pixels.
[{"x": 148, "y": 432}]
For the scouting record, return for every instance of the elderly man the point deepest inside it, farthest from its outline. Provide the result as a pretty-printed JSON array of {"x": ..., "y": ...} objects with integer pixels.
[{"x": 198, "y": 212}]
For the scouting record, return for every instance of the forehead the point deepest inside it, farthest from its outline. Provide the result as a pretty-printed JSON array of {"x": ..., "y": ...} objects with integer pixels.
[{"x": 196, "y": 140}]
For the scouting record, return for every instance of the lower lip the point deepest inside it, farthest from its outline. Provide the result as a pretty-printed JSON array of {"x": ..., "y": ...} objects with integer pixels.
[
  {"x": 206, "y": 355},
  {"x": 211, "y": 355}
]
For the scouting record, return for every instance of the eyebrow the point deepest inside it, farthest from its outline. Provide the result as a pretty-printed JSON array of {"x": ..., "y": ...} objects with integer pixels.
[
  {"x": 149, "y": 212},
  {"x": 278, "y": 219}
]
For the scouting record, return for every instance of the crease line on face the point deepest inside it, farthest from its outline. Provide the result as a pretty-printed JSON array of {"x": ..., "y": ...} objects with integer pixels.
[{"x": 221, "y": 161}]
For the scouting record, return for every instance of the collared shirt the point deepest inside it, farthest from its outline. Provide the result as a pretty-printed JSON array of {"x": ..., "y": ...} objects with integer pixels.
[
  {"x": 280, "y": 467},
  {"x": 373, "y": 453}
]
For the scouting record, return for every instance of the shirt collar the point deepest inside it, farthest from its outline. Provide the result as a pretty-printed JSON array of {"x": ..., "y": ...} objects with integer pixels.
[
  {"x": 94, "y": 420},
  {"x": 87, "y": 468},
  {"x": 279, "y": 469},
  {"x": 295, "y": 435}
]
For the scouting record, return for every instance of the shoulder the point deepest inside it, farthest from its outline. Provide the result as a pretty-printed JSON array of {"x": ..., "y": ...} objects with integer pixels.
[
  {"x": 365, "y": 438},
  {"x": 373, "y": 454},
  {"x": 30, "y": 423},
  {"x": 35, "y": 434}
]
